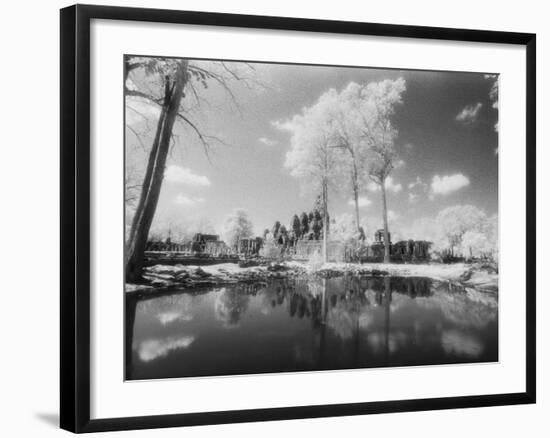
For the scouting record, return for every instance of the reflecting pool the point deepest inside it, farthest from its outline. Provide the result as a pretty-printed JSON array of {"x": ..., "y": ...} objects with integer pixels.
[{"x": 308, "y": 324}]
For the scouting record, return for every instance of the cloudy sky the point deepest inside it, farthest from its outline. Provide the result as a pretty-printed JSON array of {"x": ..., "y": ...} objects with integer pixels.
[{"x": 447, "y": 149}]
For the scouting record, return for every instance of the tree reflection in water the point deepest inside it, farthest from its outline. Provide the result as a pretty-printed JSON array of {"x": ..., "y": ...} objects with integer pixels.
[
  {"x": 312, "y": 323},
  {"x": 231, "y": 305}
]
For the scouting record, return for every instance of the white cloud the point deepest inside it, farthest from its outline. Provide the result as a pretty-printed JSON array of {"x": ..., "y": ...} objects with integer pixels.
[
  {"x": 469, "y": 113},
  {"x": 183, "y": 175},
  {"x": 417, "y": 182},
  {"x": 417, "y": 186},
  {"x": 267, "y": 141},
  {"x": 188, "y": 200},
  {"x": 282, "y": 125},
  {"x": 399, "y": 164},
  {"x": 363, "y": 201},
  {"x": 372, "y": 187},
  {"x": 391, "y": 186},
  {"x": 392, "y": 216},
  {"x": 443, "y": 185}
]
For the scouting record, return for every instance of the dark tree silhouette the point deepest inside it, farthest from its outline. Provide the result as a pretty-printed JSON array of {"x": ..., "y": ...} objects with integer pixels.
[
  {"x": 296, "y": 226},
  {"x": 304, "y": 222},
  {"x": 275, "y": 230}
]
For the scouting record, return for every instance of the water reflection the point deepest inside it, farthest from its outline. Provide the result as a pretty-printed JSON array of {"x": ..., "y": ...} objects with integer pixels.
[
  {"x": 152, "y": 349},
  {"x": 230, "y": 305},
  {"x": 309, "y": 324},
  {"x": 454, "y": 341}
]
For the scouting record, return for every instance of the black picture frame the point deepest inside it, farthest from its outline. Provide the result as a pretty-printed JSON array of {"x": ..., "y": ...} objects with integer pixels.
[{"x": 75, "y": 217}]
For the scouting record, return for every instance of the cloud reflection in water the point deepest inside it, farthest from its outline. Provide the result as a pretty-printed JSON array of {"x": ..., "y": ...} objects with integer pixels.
[
  {"x": 152, "y": 349},
  {"x": 455, "y": 342}
]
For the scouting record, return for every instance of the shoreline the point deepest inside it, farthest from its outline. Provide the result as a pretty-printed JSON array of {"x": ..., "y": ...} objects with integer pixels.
[{"x": 161, "y": 277}]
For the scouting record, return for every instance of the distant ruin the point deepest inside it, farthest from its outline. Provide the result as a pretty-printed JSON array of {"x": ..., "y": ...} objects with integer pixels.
[{"x": 353, "y": 251}]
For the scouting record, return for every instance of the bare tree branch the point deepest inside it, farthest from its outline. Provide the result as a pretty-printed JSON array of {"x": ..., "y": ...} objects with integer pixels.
[
  {"x": 220, "y": 80},
  {"x": 137, "y": 136}
]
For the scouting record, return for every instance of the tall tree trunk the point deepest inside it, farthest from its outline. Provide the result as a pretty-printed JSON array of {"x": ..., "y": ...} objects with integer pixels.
[
  {"x": 146, "y": 180},
  {"x": 356, "y": 200},
  {"x": 355, "y": 186},
  {"x": 325, "y": 221},
  {"x": 385, "y": 218},
  {"x": 154, "y": 175}
]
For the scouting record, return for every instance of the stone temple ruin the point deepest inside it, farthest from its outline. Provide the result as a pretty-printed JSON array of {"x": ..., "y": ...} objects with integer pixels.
[{"x": 210, "y": 245}]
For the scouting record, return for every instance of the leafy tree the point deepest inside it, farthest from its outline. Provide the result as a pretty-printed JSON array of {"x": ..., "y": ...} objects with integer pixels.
[
  {"x": 296, "y": 226},
  {"x": 347, "y": 122},
  {"x": 304, "y": 224},
  {"x": 238, "y": 226},
  {"x": 282, "y": 236},
  {"x": 316, "y": 227},
  {"x": 343, "y": 228},
  {"x": 454, "y": 222},
  {"x": 318, "y": 220},
  {"x": 375, "y": 107},
  {"x": 292, "y": 238},
  {"x": 476, "y": 243},
  {"x": 313, "y": 157},
  {"x": 275, "y": 230}
]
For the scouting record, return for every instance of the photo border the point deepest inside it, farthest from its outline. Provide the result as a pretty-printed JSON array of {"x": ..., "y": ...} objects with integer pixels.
[{"x": 75, "y": 216}]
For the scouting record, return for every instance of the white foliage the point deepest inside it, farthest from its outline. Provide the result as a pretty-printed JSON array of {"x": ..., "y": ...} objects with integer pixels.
[
  {"x": 346, "y": 138},
  {"x": 343, "y": 228},
  {"x": 314, "y": 155},
  {"x": 469, "y": 231},
  {"x": 482, "y": 242},
  {"x": 237, "y": 226}
]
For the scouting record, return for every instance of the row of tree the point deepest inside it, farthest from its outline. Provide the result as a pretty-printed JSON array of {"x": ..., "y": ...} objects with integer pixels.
[
  {"x": 458, "y": 231},
  {"x": 307, "y": 226},
  {"x": 347, "y": 139}
]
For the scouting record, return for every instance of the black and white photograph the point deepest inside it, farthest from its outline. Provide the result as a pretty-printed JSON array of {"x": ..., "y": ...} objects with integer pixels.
[
  {"x": 289, "y": 217},
  {"x": 273, "y": 219}
]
